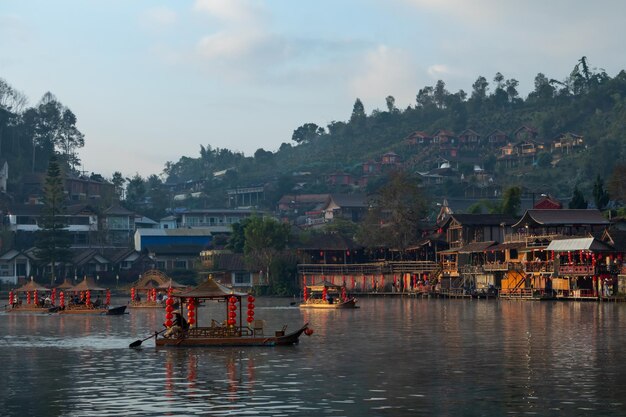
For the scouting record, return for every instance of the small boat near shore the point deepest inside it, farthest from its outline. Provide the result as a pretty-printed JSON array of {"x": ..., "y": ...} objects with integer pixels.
[
  {"x": 237, "y": 330},
  {"x": 150, "y": 289},
  {"x": 30, "y": 298},
  {"x": 223, "y": 336},
  {"x": 326, "y": 295}
]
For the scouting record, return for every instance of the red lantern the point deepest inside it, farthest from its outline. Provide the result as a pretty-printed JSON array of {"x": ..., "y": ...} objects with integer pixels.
[
  {"x": 250, "y": 313},
  {"x": 169, "y": 309},
  {"x": 305, "y": 294},
  {"x": 232, "y": 314},
  {"x": 250, "y": 319},
  {"x": 62, "y": 300},
  {"x": 88, "y": 298},
  {"x": 132, "y": 294},
  {"x": 251, "y": 299},
  {"x": 232, "y": 307},
  {"x": 344, "y": 296},
  {"x": 53, "y": 296},
  {"x": 28, "y": 297},
  {"x": 35, "y": 297},
  {"x": 108, "y": 297},
  {"x": 10, "y": 297},
  {"x": 191, "y": 315},
  {"x": 324, "y": 293}
]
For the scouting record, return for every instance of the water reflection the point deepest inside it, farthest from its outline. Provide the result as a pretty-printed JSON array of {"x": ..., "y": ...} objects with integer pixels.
[{"x": 391, "y": 357}]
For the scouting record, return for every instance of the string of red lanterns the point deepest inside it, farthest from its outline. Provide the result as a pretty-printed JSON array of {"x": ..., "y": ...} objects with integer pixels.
[
  {"x": 232, "y": 311},
  {"x": 169, "y": 308},
  {"x": 250, "y": 318},
  {"x": 191, "y": 312},
  {"x": 62, "y": 299}
]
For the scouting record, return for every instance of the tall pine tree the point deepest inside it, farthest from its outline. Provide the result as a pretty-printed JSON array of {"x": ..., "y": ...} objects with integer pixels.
[{"x": 53, "y": 238}]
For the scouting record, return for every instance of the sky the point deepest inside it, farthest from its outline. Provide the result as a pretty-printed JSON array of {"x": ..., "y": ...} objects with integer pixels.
[{"x": 151, "y": 81}]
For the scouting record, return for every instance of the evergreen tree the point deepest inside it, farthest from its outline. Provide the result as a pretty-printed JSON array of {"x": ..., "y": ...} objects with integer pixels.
[
  {"x": 512, "y": 201},
  {"x": 358, "y": 112},
  {"x": 53, "y": 239},
  {"x": 600, "y": 196},
  {"x": 578, "y": 200}
]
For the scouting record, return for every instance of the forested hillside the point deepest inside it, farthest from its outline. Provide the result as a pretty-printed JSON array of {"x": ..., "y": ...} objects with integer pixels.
[{"x": 586, "y": 104}]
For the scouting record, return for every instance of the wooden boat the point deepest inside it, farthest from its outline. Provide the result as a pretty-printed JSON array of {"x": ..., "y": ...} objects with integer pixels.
[
  {"x": 116, "y": 311},
  {"x": 326, "y": 295},
  {"x": 28, "y": 298},
  {"x": 215, "y": 337},
  {"x": 231, "y": 332},
  {"x": 149, "y": 289},
  {"x": 81, "y": 301}
]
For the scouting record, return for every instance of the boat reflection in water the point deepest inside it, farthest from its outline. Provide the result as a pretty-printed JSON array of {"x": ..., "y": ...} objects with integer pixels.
[{"x": 232, "y": 375}]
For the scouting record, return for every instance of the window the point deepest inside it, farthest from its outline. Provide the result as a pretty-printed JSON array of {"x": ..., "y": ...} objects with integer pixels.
[
  {"x": 160, "y": 265},
  {"x": 118, "y": 223},
  {"x": 242, "y": 278},
  {"x": 180, "y": 264}
]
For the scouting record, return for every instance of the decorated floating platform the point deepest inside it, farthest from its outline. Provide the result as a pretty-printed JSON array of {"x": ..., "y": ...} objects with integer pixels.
[
  {"x": 31, "y": 298},
  {"x": 326, "y": 295},
  {"x": 153, "y": 285},
  {"x": 230, "y": 332},
  {"x": 79, "y": 300},
  {"x": 64, "y": 299}
]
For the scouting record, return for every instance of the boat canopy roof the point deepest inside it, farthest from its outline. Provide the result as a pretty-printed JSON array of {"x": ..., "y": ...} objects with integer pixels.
[
  {"x": 87, "y": 284},
  {"x": 156, "y": 279},
  {"x": 31, "y": 286},
  {"x": 320, "y": 286},
  {"x": 65, "y": 285},
  {"x": 211, "y": 289}
]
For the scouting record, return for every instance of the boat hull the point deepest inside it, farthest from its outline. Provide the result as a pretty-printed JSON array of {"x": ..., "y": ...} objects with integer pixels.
[
  {"x": 351, "y": 303},
  {"x": 281, "y": 340},
  {"x": 115, "y": 311},
  {"x": 28, "y": 309},
  {"x": 146, "y": 304}
]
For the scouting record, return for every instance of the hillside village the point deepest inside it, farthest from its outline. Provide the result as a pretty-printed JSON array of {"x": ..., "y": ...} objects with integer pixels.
[
  {"x": 456, "y": 252},
  {"x": 460, "y": 155}
]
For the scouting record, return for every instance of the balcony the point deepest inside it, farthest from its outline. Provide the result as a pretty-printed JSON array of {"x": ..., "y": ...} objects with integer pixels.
[{"x": 576, "y": 270}]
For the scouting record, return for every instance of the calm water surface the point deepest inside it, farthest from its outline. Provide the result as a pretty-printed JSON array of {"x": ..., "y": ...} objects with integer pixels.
[{"x": 391, "y": 357}]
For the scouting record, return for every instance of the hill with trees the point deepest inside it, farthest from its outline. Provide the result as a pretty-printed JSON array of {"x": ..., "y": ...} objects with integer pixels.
[{"x": 587, "y": 107}]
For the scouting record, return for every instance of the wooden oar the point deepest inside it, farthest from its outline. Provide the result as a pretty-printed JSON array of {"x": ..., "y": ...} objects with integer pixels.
[{"x": 138, "y": 343}]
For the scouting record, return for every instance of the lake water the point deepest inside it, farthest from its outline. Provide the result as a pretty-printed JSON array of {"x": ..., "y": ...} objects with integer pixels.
[{"x": 391, "y": 357}]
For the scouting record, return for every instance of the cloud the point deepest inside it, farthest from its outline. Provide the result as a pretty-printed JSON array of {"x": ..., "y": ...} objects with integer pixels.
[
  {"x": 240, "y": 33},
  {"x": 438, "y": 70},
  {"x": 232, "y": 11},
  {"x": 386, "y": 71}
]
